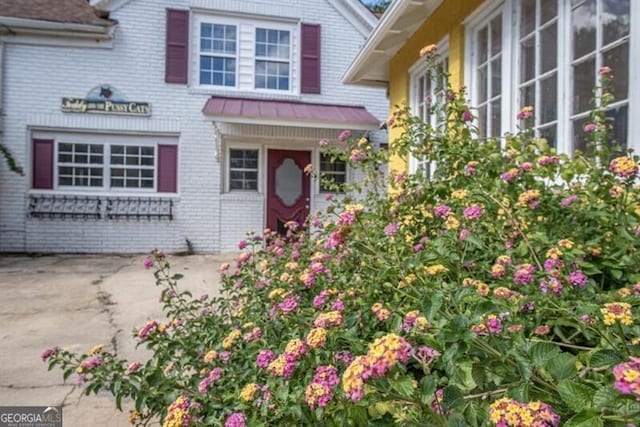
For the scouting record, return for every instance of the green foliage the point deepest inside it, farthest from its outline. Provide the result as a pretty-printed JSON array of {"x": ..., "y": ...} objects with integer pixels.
[
  {"x": 11, "y": 163},
  {"x": 503, "y": 280}
]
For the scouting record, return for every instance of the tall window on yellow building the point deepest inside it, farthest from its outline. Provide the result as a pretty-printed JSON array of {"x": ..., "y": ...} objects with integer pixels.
[{"x": 428, "y": 92}]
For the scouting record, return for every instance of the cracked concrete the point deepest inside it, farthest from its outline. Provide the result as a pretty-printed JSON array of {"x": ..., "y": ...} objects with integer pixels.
[{"x": 77, "y": 302}]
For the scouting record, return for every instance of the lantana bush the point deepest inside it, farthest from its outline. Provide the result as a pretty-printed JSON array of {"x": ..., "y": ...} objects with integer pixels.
[{"x": 497, "y": 286}]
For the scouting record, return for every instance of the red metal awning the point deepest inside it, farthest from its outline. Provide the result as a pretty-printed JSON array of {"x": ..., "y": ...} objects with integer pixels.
[{"x": 288, "y": 113}]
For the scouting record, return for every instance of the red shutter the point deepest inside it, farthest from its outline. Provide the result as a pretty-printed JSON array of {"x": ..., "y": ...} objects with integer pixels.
[
  {"x": 167, "y": 168},
  {"x": 177, "y": 43},
  {"x": 42, "y": 166},
  {"x": 310, "y": 58}
]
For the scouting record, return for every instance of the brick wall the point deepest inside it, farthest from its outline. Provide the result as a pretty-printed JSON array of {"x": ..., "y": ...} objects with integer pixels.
[{"x": 37, "y": 77}]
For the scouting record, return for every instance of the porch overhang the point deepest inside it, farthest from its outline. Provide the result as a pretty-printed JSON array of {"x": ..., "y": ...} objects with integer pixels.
[
  {"x": 289, "y": 114},
  {"x": 399, "y": 22}
]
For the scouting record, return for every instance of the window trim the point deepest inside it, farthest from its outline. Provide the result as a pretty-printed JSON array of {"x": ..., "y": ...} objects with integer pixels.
[
  {"x": 226, "y": 170},
  {"x": 511, "y": 101},
  {"x": 236, "y": 56},
  {"x": 246, "y": 52},
  {"x": 289, "y": 61},
  {"x": 319, "y": 188},
  {"x": 416, "y": 71}
]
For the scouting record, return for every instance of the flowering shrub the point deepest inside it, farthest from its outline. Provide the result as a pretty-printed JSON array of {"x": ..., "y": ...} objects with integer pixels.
[{"x": 500, "y": 289}]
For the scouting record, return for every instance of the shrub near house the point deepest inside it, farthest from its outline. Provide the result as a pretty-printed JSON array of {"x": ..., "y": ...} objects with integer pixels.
[{"x": 501, "y": 290}]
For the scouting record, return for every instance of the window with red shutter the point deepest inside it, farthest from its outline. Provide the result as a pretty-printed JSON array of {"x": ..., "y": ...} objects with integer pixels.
[{"x": 167, "y": 168}]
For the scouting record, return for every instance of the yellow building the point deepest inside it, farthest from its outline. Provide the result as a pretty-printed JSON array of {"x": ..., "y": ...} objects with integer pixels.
[{"x": 509, "y": 54}]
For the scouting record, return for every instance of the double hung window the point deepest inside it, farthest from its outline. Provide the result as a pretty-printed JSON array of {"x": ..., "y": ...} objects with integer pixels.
[
  {"x": 332, "y": 171},
  {"x": 273, "y": 59},
  {"x": 243, "y": 169},
  {"x": 218, "y": 54}
]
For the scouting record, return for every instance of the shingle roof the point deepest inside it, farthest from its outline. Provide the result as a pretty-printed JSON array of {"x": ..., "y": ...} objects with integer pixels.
[{"x": 65, "y": 11}]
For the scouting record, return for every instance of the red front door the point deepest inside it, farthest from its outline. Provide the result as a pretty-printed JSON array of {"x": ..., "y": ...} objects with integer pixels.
[{"x": 288, "y": 188}]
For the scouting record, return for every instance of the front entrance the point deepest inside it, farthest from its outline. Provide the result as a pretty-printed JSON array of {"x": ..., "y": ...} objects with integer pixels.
[{"x": 288, "y": 188}]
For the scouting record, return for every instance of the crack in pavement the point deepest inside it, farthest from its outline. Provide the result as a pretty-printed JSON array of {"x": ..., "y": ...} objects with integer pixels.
[{"x": 105, "y": 301}]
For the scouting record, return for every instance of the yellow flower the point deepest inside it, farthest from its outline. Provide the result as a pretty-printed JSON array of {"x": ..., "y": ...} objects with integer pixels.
[
  {"x": 436, "y": 269},
  {"x": 96, "y": 349},
  {"x": 278, "y": 292},
  {"x": 617, "y": 311},
  {"x": 228, "y": 341},
  {"x": 317, "y": 337},
  {"x": 248, "y": 392},
  {"x": 459, "y": 194},
  {"x": 452, "y": 223},
  {"x": 428, "y": 50},
  {"x": 566, "y": 243},
  {"x": 210, "y": 356}
]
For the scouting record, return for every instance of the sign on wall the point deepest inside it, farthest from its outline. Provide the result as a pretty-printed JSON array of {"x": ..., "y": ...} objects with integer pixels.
[{"x": 105, "y": 99}]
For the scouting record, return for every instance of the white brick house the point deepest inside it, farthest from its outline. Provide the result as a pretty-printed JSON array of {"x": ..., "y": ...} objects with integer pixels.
[{"x": 218, "y": 105}]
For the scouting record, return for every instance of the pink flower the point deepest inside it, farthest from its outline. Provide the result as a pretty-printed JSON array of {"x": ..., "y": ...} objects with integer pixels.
[
  {"x": 442, "y": 211},
  {"x": 391, "y": 229},
  {"x": 134, "y": 367},
  {"x": 473, "y": 212},
  {"x": 577, "y": 278},
  {"x": 604, "y": 70},
  {"x": 49, "y": 352},
  {"x": 510, "y": 175},
  {"x": 237, "y": 419},
  {"x": 467, "y": 116},
  {"x": 323, "y": 142},
  {"x": 589, "y": 127},
  {"x": 525, "y": 113},
  {"x": 524, "y": 274},
  {"x": 568, "y": 201},
  {"x": 148, "y": 263},
  {"x": 344, "y": 135},
  {"x": 213, "y": 376},
  {"x": 242, "y": 244},
  {"x": 264, "y": 358}
]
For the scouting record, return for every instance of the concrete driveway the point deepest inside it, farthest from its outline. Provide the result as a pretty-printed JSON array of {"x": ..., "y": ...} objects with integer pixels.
[{"x": 77, "y": 302}]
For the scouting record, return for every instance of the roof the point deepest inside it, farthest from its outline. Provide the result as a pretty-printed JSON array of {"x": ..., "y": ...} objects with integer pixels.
[
  {"x": 289, "y": 113},
  {"x": 62, "y": 11},
  {"x": 398, "y": 23}
]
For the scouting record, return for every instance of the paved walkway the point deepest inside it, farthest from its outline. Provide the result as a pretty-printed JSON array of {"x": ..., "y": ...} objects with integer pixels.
[{"x": 77, "y": 302}]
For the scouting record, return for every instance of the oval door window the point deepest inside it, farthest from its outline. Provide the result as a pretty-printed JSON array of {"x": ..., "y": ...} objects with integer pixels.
[{"x": 288, "y": 182}]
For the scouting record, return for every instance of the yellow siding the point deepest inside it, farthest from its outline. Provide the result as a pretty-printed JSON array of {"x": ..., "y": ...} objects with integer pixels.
[{"x": 446, "y": 20}]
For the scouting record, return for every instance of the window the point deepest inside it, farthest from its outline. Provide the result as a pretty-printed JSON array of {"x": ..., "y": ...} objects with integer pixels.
[
  {"x": 84, "y": 165},
  {"x": 80, "y": 165},
  {"x": 273, "y": 57},
  {"x": 538, "y": 71},
  {"x": 218, "y": 51},
  {"x": 132, "y": 166},
  {"x": 428, "y": 89},
  {"x": 332, "y": 172},
  {"x": 600, "y": 37},
  {"x": 487, "y": 76},
  {"x": 559, "y": 47},
  {"x": 246, "y": 54},
  {"x": 243, "y": 169}
]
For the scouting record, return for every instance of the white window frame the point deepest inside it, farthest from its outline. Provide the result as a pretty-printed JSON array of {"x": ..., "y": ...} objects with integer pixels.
[
  {"x": 235, "y": 55},
  {"x": 73, "y": 165},
  {"x": 477, "y": 20},
  {"x": 106, "y": 140},
  {"x": 259, "y": 169},
  {"x": 246, "y": 52},
  {"x": 511, "y": 75},
  {"x": 140, "y": 167},
  {"x": 416, "y": 72},
  {"x": 327, "y": 174},
  {"x": 288, "y": 61}
]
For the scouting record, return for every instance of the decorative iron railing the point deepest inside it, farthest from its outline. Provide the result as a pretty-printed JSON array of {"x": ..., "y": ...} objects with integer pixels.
[{"x": 99, "y": 207}]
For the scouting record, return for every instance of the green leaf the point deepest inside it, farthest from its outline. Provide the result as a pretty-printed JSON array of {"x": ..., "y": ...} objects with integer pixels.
[
  {"x": 542, "y": 352},
  {"x": 576, "y": 396},
  {"x": 604, "y": 358},
  {"x": 605, "y": 397},
  {"x": 523, "y": 366},
  {"x": 585, "y": 419},
  {"x": 519, "y": 393},
  {"x": 562, "y": 366},
  {"x": 452, "y": 398},
  {"x": 456, "y": 420},
  {"x": 403, "y": 385},
  {"x": 464, "y": 376}
]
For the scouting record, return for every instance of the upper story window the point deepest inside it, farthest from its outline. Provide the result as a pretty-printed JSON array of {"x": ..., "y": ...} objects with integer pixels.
[
  {"x": 218, "y": 54},
  {"x": 273, "y": 59},
  {"x": 559, "y": 47},
  {"x": 243, "y": 54}
]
